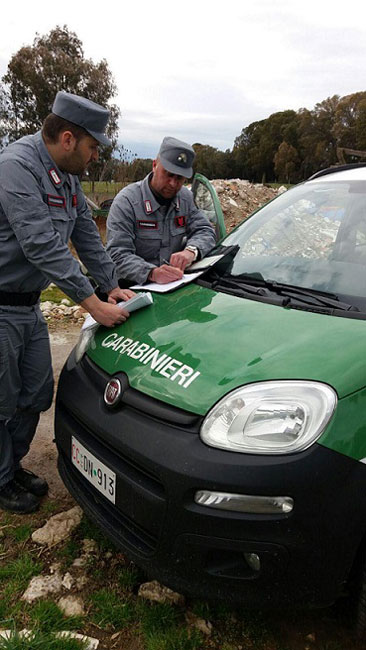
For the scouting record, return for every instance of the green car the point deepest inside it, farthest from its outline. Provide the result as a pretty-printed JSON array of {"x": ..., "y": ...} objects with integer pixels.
[{"x": 219, "y": 435}]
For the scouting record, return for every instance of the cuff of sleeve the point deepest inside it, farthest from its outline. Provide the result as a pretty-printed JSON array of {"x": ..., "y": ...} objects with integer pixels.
[
  {"x": 82, "y": 294},
  {"x": 109, "y": 284},
  {"x": 147, "y": 273}
]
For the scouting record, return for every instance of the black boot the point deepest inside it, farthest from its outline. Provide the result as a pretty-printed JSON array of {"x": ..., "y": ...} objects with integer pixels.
[
  {"x": 16, "y": 499},
  {"x": 31, "y": 482}
]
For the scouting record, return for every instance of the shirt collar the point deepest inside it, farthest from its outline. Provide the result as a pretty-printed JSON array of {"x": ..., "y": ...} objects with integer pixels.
[
  {"x": 150, "y": 202},
  {"x": 57, "y": 177}
]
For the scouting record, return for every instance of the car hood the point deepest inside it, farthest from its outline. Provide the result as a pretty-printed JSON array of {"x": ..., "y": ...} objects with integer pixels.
[{"x": 193, "y": 346}]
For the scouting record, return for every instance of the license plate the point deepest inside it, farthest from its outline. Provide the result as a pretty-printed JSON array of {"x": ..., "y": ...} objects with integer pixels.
[{"x": 93, "y": 470}]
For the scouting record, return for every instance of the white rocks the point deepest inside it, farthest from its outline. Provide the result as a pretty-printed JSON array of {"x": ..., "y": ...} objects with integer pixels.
[
  {"x": 90, "y": 546},
  {"x": 58, "y": 527},
  {"x": 80, "y": 562},
  {"x": 90, "y": 642},
  {"x": 81, "y": 582},
  {"x": 158, "y": 593},
  {"x": 232, "y": 202},
  {"x": 47, "y": 305},
  {"x": 199, "y": 623},
  {"x": 62, "y": 310},
  {"x": 71, "y": 606},
  {"x": 42, "y": 586},
  {"x": 68, "y": 581}
]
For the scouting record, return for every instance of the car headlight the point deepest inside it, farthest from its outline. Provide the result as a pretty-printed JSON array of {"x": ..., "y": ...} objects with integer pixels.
[
  {"x": 85, "y": 338},
  {"x": 274, "y": 417}
]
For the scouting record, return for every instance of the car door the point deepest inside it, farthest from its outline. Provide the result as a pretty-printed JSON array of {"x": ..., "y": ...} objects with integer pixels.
[{"x": 206, "y": 199}]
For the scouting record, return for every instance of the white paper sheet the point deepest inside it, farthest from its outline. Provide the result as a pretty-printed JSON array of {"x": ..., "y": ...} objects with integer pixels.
[{"x": 169, "y": 286}]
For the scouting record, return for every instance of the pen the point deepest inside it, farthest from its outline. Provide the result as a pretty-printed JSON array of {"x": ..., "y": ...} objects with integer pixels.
[{"x": 166, "y": 262}]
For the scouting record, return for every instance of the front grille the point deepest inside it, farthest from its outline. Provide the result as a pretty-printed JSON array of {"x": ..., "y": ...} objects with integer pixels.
[
  {"x": 139, "y": 511},
  {"x": 129, "y": 468},
  {"x": 140, "y": 402},
  {"x": 119, "y": 526}
]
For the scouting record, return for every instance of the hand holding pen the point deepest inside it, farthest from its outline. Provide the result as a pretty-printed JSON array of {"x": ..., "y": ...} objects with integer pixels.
[{"x": 165, "y": 273}]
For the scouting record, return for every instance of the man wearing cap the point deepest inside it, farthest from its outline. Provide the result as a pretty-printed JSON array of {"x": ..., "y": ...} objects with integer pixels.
[
  {"x": 42, "y": 206},
  {"x": 154, "y": 229}
]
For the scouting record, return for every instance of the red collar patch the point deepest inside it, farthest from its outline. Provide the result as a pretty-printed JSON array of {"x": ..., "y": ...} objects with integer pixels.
[
  {"x": 148, "y": 206},
  {"x": 74, "y": 200},
  {"x": 180, "y": 221},
  {"x": 54, "y": 176}
]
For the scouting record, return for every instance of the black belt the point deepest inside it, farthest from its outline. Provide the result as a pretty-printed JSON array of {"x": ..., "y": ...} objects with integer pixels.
[{"x": 19, "y": 299}]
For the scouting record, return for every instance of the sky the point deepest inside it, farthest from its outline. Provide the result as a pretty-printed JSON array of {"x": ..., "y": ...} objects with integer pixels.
[{"x": 202, "y": 71}]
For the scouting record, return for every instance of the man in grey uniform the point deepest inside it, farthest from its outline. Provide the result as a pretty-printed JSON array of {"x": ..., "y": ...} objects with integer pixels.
[
  {"x": 154, "y": 229},
  {"x": 42, "y": 206}
]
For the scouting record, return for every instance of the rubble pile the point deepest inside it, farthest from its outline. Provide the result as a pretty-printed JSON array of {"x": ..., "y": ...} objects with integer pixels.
[
  {"x": 239, "y": 198},
  {"x": 62, "y": 311}
]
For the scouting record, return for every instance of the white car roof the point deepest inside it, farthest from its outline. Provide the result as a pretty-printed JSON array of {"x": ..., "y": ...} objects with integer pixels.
[{"x": 355, "y": 174}]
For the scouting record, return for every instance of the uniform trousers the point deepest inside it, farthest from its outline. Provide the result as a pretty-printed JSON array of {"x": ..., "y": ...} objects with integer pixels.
[{"x": 26, "y": 382}]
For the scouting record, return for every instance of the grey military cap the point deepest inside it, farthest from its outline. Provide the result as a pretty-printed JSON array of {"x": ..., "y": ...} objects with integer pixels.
[
  {"x": 177, "y": 157},
  {"x": 83, "y": 112}
]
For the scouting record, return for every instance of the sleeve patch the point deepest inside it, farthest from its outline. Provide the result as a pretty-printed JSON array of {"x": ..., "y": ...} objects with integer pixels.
[
  {"x": 147, "y": 225},
  {"x": 56, "y": 201},
  {"x": 180, "y": 221}
]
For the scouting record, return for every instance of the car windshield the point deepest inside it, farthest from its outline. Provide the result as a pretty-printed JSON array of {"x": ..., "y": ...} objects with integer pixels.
[{"x": 312, "y": 236}]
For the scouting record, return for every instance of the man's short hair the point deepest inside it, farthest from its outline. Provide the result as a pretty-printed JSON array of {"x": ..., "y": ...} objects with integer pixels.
[{"x": 54, "y": 125}]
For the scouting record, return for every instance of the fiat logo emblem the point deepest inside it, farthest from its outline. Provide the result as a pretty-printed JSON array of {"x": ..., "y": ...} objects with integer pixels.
[{"x": 112, "y": 392}]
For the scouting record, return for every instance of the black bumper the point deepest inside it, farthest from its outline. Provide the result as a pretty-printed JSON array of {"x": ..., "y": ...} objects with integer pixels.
[{"x": 160, "y": 462}]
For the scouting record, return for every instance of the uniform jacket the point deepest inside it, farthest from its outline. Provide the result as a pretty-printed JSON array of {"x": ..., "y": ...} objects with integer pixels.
[
  {"x": 141, "y": 233},
  {"x": 41, "y": 208}
]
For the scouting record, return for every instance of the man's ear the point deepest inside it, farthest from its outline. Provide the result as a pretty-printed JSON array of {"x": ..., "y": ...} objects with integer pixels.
[
  {"x": 155, "y": 162},
  {"x": 67, "y": 140}
]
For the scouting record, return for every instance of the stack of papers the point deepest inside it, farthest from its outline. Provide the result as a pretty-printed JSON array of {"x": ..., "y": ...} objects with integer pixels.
[{"x": 142, "y": 299}]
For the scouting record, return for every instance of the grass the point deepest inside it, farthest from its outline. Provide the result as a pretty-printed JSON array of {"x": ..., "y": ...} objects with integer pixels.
[
  {"x": 174, "y": 639},
  {"x": 155, "y": 618},
  {"x": 277, "y": 185},
  {"x": 128, "y": 577},
  {"x": 20, "y": 570},
  {"x": 68, "y": 552},
  {"x": 20, "y": 533},
  {"x": 110, "y": 610},
  {"x": 87, "y": 529},
  {"x": 113, "y": 607},
  {"x": 102, "y": 187},
  {"x": 54, "y": 294},
  {"x": 47, "y": 617}
]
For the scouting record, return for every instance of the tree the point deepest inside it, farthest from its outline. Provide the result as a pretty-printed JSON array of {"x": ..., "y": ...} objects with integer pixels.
[
  {"x": 36, "y": 72},
  {"x": 255, "y": 148},
  {"x": 317, "y": 143},
  {"x": 286, "y": 163},
  {"x": 211, "y": 162},
  {"x": 350, "y": 121}
]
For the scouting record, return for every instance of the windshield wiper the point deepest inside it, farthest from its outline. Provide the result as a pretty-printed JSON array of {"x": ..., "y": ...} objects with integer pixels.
[
  {"x": 256, "y": 284},
  {"x": 310, "y": 296}
]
